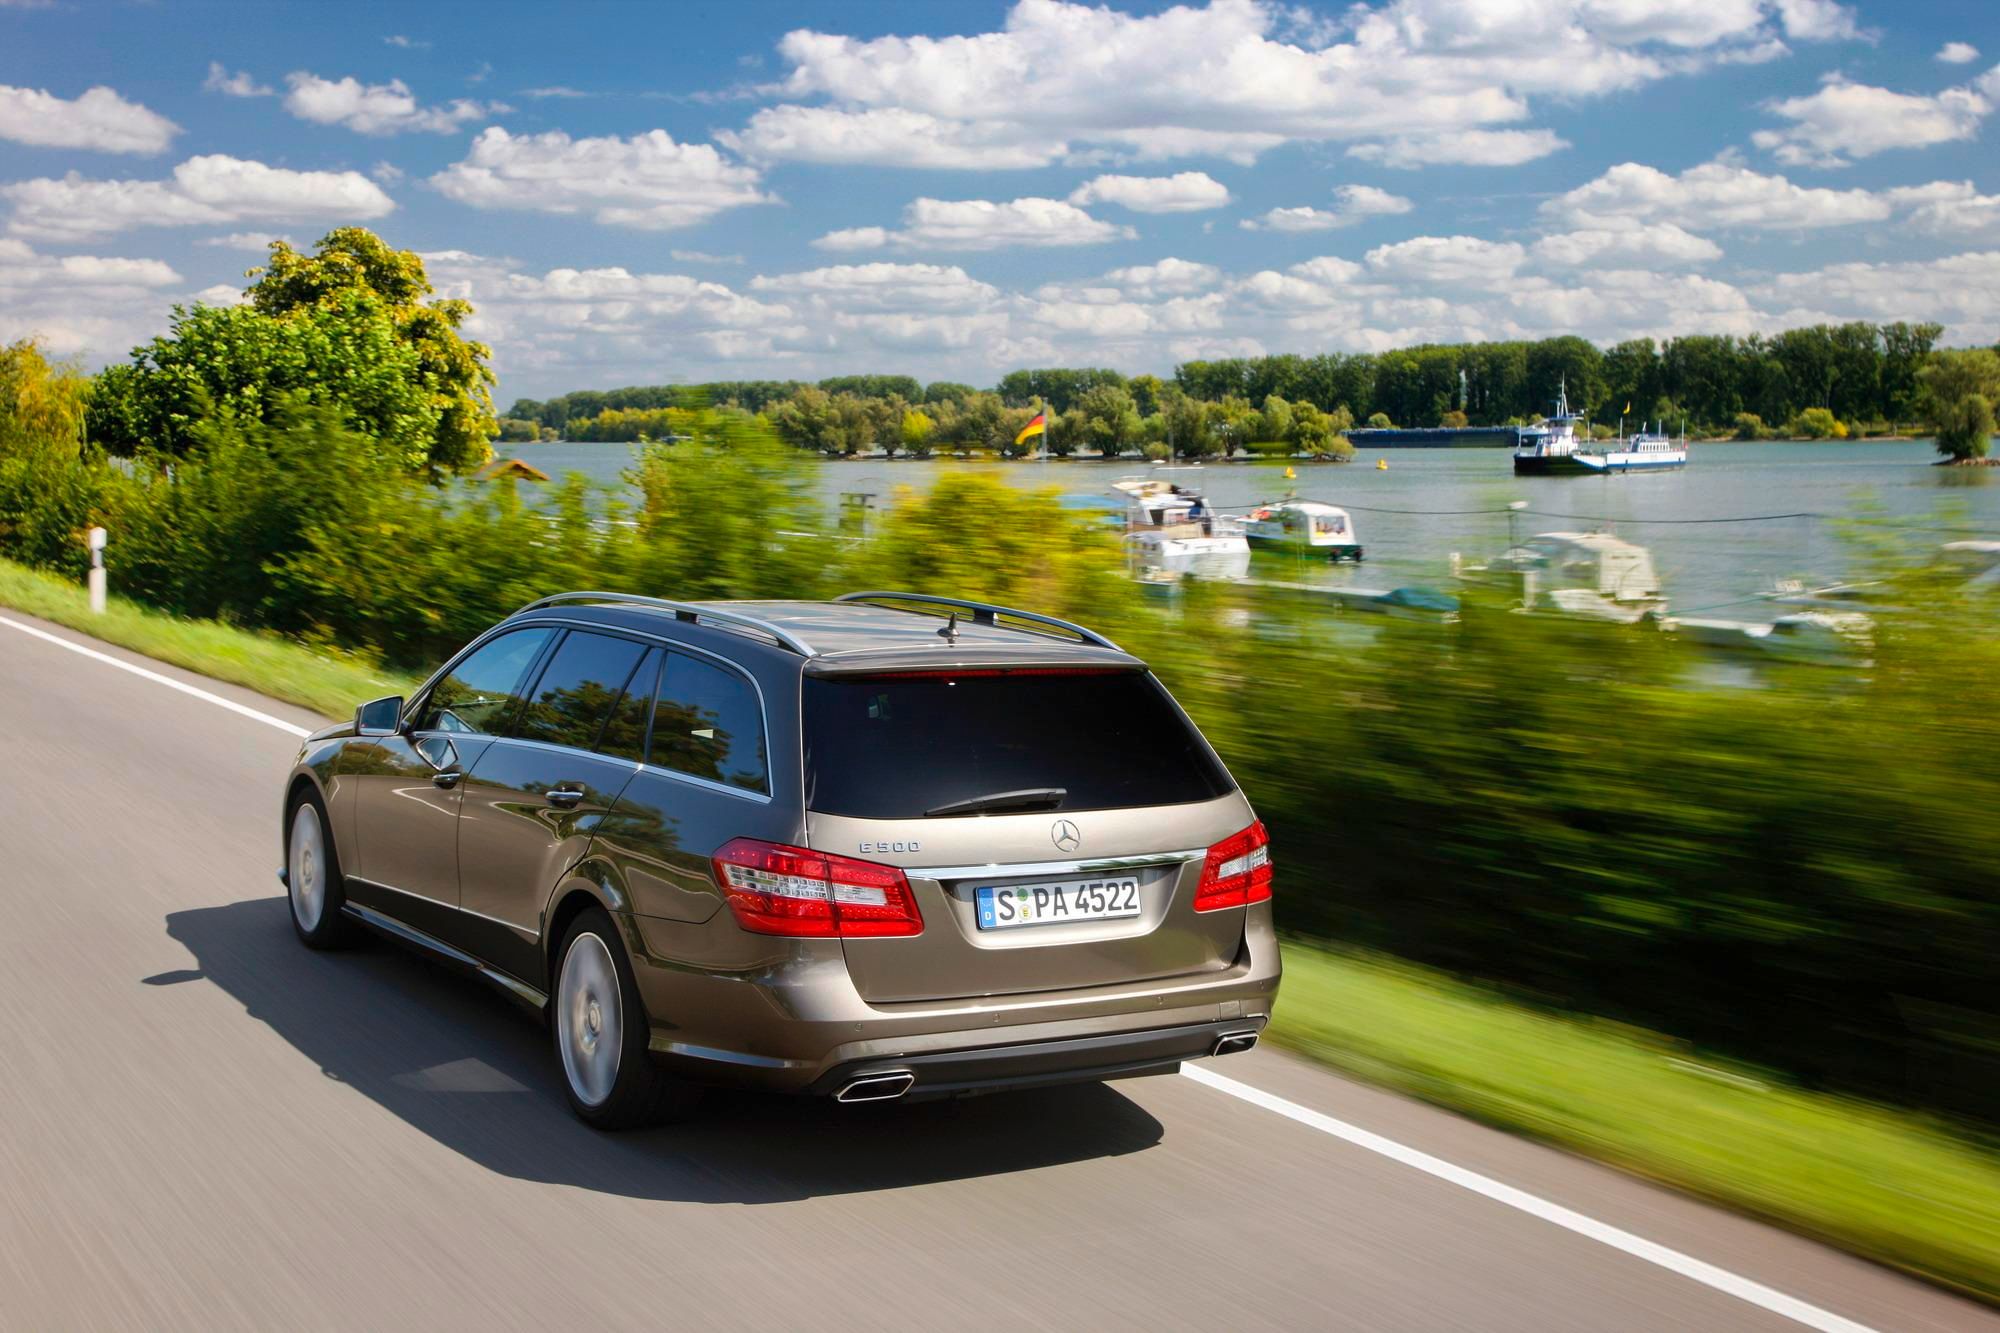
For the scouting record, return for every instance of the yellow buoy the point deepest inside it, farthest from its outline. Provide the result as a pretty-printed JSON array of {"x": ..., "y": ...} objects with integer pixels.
[
  {"x": 1291, "y": 475},
  {"x": 1381, "y": 465}
]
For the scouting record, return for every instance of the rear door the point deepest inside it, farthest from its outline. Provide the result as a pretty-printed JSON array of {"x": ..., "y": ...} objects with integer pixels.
[
  {"x": 535, "y": 796},
  {"x": 1053, "y": 823}
]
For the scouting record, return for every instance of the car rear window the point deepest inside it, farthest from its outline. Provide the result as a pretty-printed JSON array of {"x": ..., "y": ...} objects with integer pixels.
[{"x": 897, "y": 745}]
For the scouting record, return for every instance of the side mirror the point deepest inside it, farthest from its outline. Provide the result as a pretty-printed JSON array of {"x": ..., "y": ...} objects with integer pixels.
[{"x": 379, "y": 717}]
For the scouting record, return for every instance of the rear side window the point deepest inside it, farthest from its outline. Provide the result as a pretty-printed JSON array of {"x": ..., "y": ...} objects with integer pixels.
[
  {"x": 480, "y": 693},
  {"x": 573, "y": 698},
  {"x": 894, "y": 747},
  {"x": 625, "y": 734},
  {"x": 708, "y": 724}
]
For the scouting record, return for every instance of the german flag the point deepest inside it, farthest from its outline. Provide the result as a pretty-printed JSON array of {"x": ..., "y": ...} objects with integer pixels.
[{"x": 1038, "y": 426}]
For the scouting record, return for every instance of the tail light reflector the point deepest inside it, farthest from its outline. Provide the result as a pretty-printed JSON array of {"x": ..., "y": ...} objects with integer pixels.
[
  {"x": 1237, "y": 871},
  {"x": 778, "y": 890}
]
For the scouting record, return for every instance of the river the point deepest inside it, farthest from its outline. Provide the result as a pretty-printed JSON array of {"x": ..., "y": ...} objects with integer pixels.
[{"x": 1431, "y": 502}]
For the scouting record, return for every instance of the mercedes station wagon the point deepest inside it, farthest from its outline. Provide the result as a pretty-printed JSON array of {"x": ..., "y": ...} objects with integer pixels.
[{"x": 888, "y": 846}]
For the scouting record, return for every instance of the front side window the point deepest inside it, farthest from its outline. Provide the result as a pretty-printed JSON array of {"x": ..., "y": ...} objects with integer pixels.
[
  {"x": 584, "y": 678},
  {"x": 625, "y": 734},
  {"x": 481, "y": 692},
  {"x": 708, "y": 724}
]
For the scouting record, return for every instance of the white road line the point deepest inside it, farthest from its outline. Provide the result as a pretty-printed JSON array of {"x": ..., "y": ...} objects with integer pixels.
[
  {"x": 156, "y": 677},
  {"x": 1721, "y": 1279}
]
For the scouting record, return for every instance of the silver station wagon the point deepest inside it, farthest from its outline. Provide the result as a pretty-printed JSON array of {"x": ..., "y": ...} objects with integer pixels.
[{"x": 886, "y": 846}]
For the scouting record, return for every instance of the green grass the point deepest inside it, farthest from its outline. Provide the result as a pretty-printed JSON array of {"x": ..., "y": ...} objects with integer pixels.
[
  {"x": 1889, "y": 1185},
  {"x": 326, "y": 682}
]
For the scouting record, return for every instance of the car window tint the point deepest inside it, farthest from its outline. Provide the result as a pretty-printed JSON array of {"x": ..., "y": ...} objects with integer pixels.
[
  {"x": 480, "y": 692},
  {"x": 625, "y": 734},
  {"x": 708, "y": 724},
  {"x": 584, "y": 677}
]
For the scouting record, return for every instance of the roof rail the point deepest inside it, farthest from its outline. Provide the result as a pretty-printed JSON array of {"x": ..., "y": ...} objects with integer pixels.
[
  {"x": 983, "y": 613},
  {"x": 688, "y": 612}
]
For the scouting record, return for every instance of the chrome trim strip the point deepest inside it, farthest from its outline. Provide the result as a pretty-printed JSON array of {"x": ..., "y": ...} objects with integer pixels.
[
  {"x": 983, "y": 613},
  {"x": 1020, "y": 869},
  {"x": 667, "y": 1046},
  {"x": 708, "y": 784},
  {"x": 695, "y": 611},
  {"x": 431, "y": 944}
]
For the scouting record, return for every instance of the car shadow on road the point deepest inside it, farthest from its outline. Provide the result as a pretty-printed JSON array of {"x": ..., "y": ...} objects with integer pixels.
[{"x": 466, "y": 1067}]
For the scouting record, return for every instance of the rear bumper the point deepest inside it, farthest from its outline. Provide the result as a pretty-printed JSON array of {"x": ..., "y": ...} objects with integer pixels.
[
  {"x": 800, "y": 1026},
  {"x": 1042, "y": 1063}
]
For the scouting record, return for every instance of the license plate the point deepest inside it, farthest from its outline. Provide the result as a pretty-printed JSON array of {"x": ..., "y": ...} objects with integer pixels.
[{"x": 1002, "y": 907}]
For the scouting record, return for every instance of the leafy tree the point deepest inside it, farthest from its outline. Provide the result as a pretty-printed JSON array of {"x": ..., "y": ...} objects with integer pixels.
[
  {"x": 1107, "y": 419},
  {"x": 874, "y": 386},
  {"x": 1453, "y": 420},
  {"x": 346, "y": 326},
  {"x": 1959, "y": 391},
  {"x": 945, "y": 391},
  {"x": 918, "y": 427},
  {"x": 1276, "y": 421},
  {"x": 1817, "y": 423},
  {"x": 1380, "y": 421},
  {"x": 1146, "y": 390}
]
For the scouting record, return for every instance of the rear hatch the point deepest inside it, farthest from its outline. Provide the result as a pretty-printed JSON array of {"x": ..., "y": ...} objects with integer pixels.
[{"x": 1053, "y": 823}]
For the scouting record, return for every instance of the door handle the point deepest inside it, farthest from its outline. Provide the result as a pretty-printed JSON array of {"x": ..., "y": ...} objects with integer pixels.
[
  {"x": 447, "y": 779},
  {"x": 564, "y": 797}
]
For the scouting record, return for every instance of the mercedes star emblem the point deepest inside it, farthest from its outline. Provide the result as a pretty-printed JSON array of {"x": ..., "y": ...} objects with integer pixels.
[{"x": 1065, "y": 835}]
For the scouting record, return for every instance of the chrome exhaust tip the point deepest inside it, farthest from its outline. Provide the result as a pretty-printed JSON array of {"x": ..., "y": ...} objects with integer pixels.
[
  {"x": 1231, "y": 1043},
  {"x": 877, "y": 1087}
]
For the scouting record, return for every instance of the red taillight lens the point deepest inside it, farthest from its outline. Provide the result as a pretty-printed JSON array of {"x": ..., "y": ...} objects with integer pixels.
[
  {"x": 780, "y": 890},
  {"x": 1237, "y": 871}
]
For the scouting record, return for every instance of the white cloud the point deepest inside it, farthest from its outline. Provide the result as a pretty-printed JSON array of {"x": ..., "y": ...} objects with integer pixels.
[
  {"x": 78, "y": 305},
  {"x": 376, "y": 108},
  {"x": 239, "y": 84},
  {"x": 1719, "y": 195},
  {"x": 1626, "y": 243},
  {"x": 1352, "y": 204},
  {"x": 256, "y": 242},
  {"x": 648, "y": 181},
  {"x": 1846, "y": 120},
  {"x": 212, "y": 189},
  {"x": 1950, "y": 208},
  {"x": 702, "y": 257},
  {"x": 1480, "y": 148},
  {"x": 1818, "y": 21},
  {"x": 1957, "y": 53},
  {"x": 1961, "y": 291},
  {"x": 99, "y": 120},
  {"x": 386, "y": 172},
  {"x": 555, "y": 90},
  {"x": 888, "y": 136},
  {"x": 406, "y": 43},
  {"x": 1168, "y": 277},
  {"x": 1235, "y": 78},
  {"x": 1448, "y": 261},
  {"x": 885, "y": 286},
  {"x": 981, "y": 224},
  {"x": 1186, "y": 192}
]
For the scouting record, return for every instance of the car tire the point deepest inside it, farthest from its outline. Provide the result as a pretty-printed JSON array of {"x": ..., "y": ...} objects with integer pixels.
[
  {"x": 601, "y": 1034},
  {"x": 313, "y": 885}
]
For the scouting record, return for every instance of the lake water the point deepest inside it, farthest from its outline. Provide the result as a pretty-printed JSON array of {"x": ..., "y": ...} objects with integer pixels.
[{"x": 1431, "y": 502}]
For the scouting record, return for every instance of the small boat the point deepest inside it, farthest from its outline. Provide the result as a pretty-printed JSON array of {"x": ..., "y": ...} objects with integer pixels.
[
  {"x": 1171, "y": 533},
  {"x": 1304, "y": 526},
  {"x": 1820, "y": 638},
  {"x": 1593, "y": 575}
]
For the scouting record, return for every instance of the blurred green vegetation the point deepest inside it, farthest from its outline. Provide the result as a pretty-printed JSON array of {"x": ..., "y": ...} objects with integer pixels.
[{"x": 1897, "y": 1187}]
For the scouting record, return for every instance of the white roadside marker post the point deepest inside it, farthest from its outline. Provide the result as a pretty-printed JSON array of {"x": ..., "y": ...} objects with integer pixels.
[{"x": 97, "y": 538}]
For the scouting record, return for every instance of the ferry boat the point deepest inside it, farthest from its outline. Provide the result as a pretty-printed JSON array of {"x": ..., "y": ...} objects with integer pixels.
[
  {"x": 1171, "y": 532},
  {"x": 1303, "y": 525},
  {"x": 1561, "y": 446}
]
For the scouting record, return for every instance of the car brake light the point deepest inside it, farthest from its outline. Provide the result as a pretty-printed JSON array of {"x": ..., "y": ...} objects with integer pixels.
[
  {"x": 780, "y": 890},
  {"x": 1237, "y": 871}
]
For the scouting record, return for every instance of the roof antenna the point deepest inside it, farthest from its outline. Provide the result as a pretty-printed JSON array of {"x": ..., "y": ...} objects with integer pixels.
[{"x": 950, "y": 631}]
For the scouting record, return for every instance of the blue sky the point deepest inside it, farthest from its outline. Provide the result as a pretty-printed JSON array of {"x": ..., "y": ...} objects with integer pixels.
[{"x": 647, "y": 193}]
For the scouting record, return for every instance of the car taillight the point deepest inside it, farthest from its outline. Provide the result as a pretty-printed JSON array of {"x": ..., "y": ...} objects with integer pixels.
[
  {"x": 1237, "y": 871},
  {"x": 780, "y": 890}
]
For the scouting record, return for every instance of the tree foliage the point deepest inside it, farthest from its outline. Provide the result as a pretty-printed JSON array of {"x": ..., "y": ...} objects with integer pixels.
[
  {"x": 347, "y": 326},
  {"x": 1959, "y": 393}
]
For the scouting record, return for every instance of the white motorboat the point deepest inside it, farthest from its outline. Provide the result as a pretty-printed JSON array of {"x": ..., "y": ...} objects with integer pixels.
[
  {"x": 1561, "y": 446},
  {"x": 1589, "y": 574},
  {"x": 1171, "y": 532},
  {"x": 1303, "y": 526},
  {"x": 1822, "y": 638}
]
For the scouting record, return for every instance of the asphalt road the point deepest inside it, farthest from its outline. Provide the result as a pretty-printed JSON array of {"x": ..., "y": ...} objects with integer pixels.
[{"x": 203, "y": 1125}]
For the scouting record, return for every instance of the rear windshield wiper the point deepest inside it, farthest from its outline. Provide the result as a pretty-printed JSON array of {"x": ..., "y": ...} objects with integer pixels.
[{"x": 1028, "y": 798}]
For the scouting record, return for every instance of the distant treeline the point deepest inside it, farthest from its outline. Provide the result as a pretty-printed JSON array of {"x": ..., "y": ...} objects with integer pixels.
[{"x": 1861, "y": 374}]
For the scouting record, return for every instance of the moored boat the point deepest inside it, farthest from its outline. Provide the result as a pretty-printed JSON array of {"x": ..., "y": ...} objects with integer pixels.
[
  {"x": 1593, "y": 575},
  {"x": 1171, "y": 532},
  {"x": 1303, "y": 526}
]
